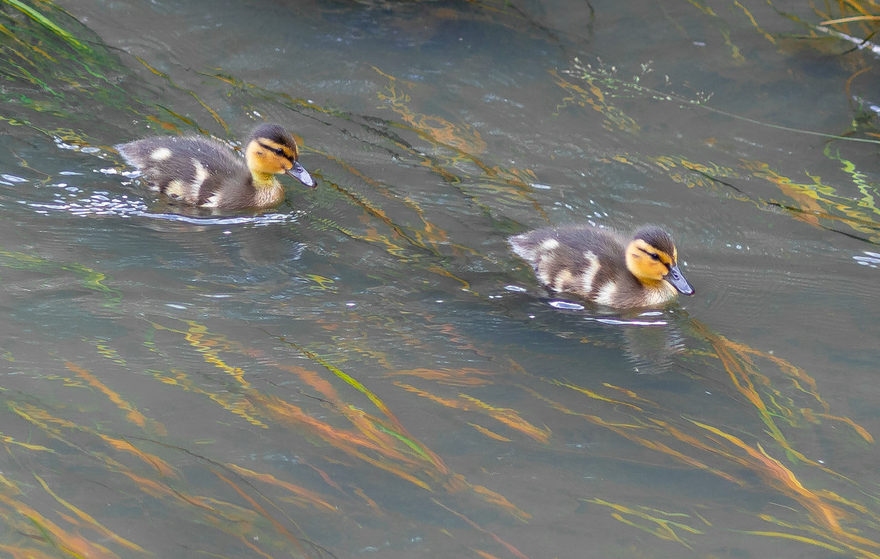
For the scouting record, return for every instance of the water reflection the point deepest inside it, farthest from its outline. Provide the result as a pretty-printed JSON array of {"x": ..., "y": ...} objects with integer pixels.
[
  {"x": 370, "y": 373},
  {"x": 651, "y": 340}
]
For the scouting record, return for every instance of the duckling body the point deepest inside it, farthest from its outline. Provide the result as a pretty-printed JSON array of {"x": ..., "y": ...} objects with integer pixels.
[
  {"x": 604, "y": 266},
  {"x": 208, "y": 174}
]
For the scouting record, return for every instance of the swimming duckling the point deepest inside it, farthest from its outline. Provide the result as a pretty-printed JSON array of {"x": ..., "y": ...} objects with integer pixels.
[
  {"x": 604, "y": 266},
  {"x": 206, "y": 173}
]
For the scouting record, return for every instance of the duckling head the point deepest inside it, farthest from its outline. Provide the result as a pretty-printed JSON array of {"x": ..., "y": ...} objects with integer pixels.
[
  {"x": 272, "y": 151},
  {"x": 652, "y": 258}
]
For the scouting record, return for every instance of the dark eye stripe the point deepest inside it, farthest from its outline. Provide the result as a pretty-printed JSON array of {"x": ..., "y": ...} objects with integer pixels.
[
  {"x": 277, "y": 151},
  {"x": 655, "y": 257}
]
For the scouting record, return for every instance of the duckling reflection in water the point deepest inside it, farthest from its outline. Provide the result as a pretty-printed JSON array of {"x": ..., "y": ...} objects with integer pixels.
[
  {"x": 206, "y": 173},
  {"x": 653, "y": 349},
  {"x": 603, "y": 266}
]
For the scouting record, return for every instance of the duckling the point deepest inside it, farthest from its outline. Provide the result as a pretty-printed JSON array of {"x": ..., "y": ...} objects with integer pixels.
[
  {"x": 604, "y": 266},
  {"x": 206, "y": 173}
]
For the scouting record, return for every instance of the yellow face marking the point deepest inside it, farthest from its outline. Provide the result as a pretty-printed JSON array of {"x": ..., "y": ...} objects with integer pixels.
[
  {"x": 285, "y": 149},
  {"x": 641, "y": 261},
  {"x": 267, "y": 157}
]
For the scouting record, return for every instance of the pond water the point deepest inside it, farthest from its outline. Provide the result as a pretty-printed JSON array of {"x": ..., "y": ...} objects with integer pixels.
[{"x": 366, "y": 370}]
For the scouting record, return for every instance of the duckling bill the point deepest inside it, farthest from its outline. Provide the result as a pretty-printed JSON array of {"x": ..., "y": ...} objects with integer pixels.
[
  {"x": 604, "y": 266},
  {"x": 206, "y": 173}
]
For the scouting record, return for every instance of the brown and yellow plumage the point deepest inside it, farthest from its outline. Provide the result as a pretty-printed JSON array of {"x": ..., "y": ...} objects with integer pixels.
[
  {"x": 206, "y": 173},
  {"x": 603, "y": 266}
]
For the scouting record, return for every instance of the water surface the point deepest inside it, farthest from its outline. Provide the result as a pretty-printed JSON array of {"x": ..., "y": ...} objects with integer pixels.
[{"x": 367, "y": 370}]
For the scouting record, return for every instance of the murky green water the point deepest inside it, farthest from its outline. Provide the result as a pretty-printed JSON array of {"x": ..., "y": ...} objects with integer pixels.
[{"x": 366, "y": 371}]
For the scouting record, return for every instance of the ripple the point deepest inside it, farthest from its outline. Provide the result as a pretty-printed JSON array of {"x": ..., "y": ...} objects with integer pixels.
[
  {"x": 72, "y": 201},
  {"x": 870, "y": 259},
  {"x": 629, "y": 322},
  {"x": 256, "y": 220},
  {"x": 566, "y": 305},
  {"x": 10, "y": 179}
]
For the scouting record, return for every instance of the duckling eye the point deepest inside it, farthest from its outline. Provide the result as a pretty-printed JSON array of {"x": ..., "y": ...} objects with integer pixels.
[
  {"x": 277, "y": 151},
  {"x": 654, "y": 256}
]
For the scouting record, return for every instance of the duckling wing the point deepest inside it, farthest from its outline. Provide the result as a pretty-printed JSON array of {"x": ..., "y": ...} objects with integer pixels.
[
  {"x": 572, "y": 259},
  {"x": 191, "y": 170}
]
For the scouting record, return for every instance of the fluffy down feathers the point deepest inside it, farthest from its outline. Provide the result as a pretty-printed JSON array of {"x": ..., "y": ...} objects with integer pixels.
[
  {"x": 604, "y": 266},
  {"x": 206, "y": 173}
]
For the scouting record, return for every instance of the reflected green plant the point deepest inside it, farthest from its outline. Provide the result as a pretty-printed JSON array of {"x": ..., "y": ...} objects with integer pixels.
[
  {"x": 48, "y": 23},
  {"x": 89, "y": 278}
]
